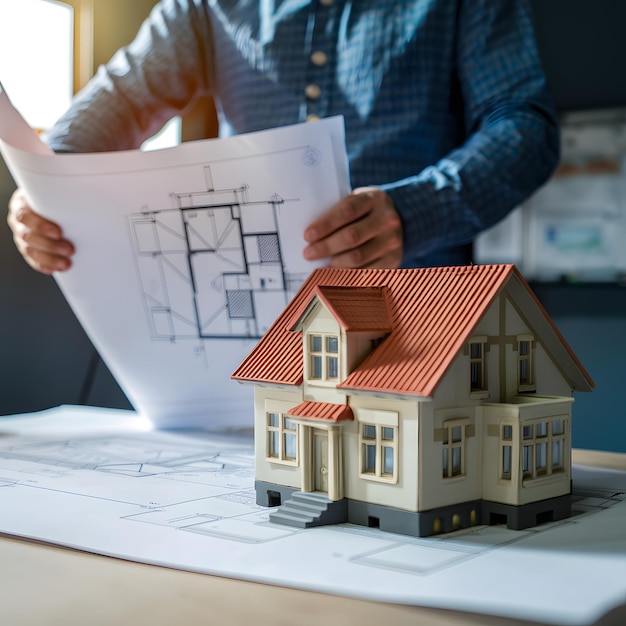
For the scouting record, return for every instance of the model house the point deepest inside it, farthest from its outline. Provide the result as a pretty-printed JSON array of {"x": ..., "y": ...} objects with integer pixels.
[{"x": 418, "y": 401}]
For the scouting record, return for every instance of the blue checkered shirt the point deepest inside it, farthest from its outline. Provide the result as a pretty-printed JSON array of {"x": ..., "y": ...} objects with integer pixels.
[{"x": 444, "y": 101}]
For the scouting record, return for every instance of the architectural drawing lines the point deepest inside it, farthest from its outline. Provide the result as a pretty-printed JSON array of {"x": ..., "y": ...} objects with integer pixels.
[{"x": 217, "y": 254}]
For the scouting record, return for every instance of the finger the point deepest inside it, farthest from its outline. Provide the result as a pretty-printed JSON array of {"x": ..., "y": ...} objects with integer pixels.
[
  {"x": 23, "y": 218},
  {"x": 43, "y": 254},
  {"x": 346, "y": 211},
  {"x": 39, "y": 240},
  {"x": 378, "y": 229},
  {"x": 384, "y": 251}
]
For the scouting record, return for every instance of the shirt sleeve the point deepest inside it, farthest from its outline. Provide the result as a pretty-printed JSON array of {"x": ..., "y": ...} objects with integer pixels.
[
  {"x": 159, "y": 75},
  {"x": 512, "y": 144}
]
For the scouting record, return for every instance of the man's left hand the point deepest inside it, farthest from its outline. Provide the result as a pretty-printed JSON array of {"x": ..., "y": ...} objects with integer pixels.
[{"x": 363, "y": 230}]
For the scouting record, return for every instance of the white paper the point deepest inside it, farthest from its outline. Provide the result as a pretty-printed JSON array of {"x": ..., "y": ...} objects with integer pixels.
[
  {"x": 99, "y": 481},
  {"x": 186, "y": 255}
]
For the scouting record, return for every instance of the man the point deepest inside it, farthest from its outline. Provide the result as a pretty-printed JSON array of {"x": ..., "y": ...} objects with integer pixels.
[{"x": 448, "y": 122}]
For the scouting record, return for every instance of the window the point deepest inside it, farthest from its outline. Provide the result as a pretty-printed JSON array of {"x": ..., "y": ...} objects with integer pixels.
[
  {"x": 282, "y": 438},
  {"x": 506, "y": 446},
  {"x": 324, "y": 357},
  {"x": 525, "y": 373},
  {"x": 39, "y": 84},
  {"x": 453, "y": 448},
  {"x": 478, "y": 378},
  {"x": 543, "y": 447},
  {"x": 378, "y": 444}
]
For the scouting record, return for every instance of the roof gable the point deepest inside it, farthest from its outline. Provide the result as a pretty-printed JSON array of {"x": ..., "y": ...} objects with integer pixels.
[
  {"x": 356, "y": 309},
  {"x": 432, "y": 312}
]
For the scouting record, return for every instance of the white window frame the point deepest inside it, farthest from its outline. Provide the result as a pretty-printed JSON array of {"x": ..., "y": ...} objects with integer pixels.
[
  {"x": 539, "y": 439},
  {"x": 453, "y": 443},
  {"x": 378, "y": 432},
  {"x": 325, "y": 356},
  {"x": 279, "y": 427}
]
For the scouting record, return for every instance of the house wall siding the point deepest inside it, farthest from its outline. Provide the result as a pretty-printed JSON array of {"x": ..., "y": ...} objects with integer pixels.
[{"x": 548, "y": 378}]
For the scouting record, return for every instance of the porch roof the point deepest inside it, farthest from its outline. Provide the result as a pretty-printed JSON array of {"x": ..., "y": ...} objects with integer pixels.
[{"x": 325, "y": 411}]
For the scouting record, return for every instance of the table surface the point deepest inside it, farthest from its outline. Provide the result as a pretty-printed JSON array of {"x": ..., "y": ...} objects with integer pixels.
[{"x": 51, "y": 585}]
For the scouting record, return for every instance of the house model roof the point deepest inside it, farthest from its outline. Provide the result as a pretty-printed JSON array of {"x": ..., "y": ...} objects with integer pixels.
[{"x": 428, "y": 313}]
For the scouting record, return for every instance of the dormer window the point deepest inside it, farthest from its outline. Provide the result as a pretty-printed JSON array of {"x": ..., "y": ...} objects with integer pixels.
[{"x": 323, "y": 357}]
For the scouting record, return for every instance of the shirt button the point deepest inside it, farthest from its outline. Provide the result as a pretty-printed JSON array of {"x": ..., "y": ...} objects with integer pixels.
[
  {"x": 312, "y": 118},
  {"x": 319, "y": 58},
  {"x": 313, "y": 91}
]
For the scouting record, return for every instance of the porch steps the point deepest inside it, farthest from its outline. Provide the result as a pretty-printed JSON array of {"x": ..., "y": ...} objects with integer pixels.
[{"x": 304, "y": 510}]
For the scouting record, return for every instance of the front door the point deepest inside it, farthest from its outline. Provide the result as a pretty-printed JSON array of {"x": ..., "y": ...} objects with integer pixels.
[{"x": 320, "y": 466}]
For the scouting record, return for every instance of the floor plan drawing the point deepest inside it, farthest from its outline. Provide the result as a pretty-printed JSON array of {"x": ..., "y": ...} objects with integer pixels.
[
  {"x": 223, "y": 247},
  {"x": 189, "y": 254}
]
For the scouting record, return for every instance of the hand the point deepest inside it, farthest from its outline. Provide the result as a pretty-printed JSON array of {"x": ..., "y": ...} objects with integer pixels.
[
  {"x": 363, "y": 230},
  {"x": 39, "y": 240}
]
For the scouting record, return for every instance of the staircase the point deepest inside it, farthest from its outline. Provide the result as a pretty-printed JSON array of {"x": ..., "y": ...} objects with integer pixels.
[{"x": 304, "y": 510}]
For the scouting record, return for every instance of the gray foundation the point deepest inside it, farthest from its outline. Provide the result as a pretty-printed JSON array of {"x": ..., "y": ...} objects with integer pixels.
[{"x": 433, "y": 522}]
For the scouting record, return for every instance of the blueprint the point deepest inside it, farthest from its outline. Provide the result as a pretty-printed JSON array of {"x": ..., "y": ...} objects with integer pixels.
[
  {"x": 101, "y": 481},
  {"x": 185, "y": 255}
]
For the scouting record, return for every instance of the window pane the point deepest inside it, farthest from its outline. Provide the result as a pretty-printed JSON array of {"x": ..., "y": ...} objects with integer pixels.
[
  {"x": 290, "y": 446},
  {"x": 476, "y": 350},
  {"x": 369, "y": 458},
  {"x": 273, "y": 444},
  {"x": 369, "y": 431},
  {"x": 387, "y": 434},
  {"x": 456, "y": 461},
  {"x": 456, "y": 434},
  {"x": 333, "y": 367},
  {"x": 316, "y": 343},
  {"x": 332, "y": 344},
  {"x": 36, "y": 58},
  {"x": 272, "y": 419},
  {"x": 524, "y": 372},
  {"x": 527, "y": 432},
  {"x": 541, "y": 429},
  {"x": 476, "y": 375},
  {"x": 506, "y": 461},
  {"x": 557, "y": 453},
  {"x": 557, "y": 427},
  {"x": 541, "y": 458},
  {"x": 445, "y": 463},
  {"x": 167, "y": 137},
  {"x": 524, "y": 348},
  {"x": 316, "y": 367},
  {"x": 527, "y": 456},
  {"x": 507, "y": 433},
  {"x": 387, "y": 460}
]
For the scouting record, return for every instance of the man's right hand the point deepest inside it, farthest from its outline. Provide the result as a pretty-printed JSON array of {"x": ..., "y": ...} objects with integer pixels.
[{"x": 39, "y": 240}]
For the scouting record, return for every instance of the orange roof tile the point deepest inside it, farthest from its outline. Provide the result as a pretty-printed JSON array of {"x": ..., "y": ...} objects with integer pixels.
[
  {"x": 432, "y": 311},
  {"x": 357, "y": 308},
  {"x": 326, "y": 411}
]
